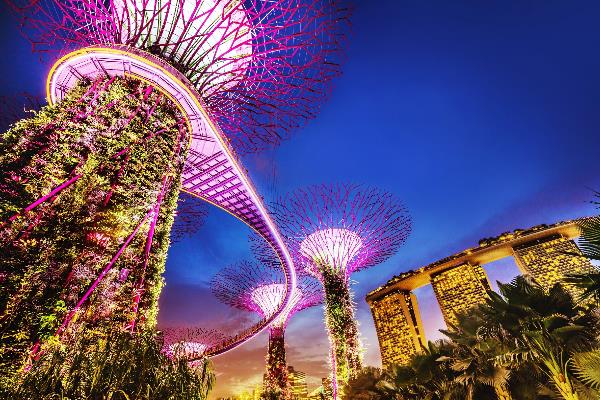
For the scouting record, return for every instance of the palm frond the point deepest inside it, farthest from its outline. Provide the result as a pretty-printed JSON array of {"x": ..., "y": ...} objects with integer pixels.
[
  {"x": 587, "y": 367},
  {"x": 589, "y": 284},
  {"x": 589, "y": 242}
]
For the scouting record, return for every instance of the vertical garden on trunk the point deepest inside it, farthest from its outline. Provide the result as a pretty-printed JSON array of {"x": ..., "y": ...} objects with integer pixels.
[{"x": 88, "y": 190}]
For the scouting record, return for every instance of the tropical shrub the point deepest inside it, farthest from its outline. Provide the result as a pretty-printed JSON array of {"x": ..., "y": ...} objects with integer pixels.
[
  {"x": 524, "y": 343},
  {"x": 117, "y": 366}
]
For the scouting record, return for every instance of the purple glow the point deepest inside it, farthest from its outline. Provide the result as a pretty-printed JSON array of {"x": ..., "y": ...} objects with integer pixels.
[
  {"x": 212, "y": 171},
  {"x": 333, "y": 231},
  {"x": 44, "y": 198},
  {"x": 251, "y": 287},
  {"x": 190, "y": 343},
  {"x": 139, "y": 288},
  {"x": 334, "y": 247},
  {"x": 262, "y": 67},
  {"x": 341, "y": 227},
  {"x": 267, "y": 298},
  {"x": 97, "y": 281},
  {"x": 257, "y": 68}
]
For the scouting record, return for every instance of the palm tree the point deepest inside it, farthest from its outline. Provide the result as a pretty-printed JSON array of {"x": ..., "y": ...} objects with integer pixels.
[
  {"x": 587, "y": 369},
  {"x": 364, "y": 385},
  {"x": 472, "y": 356},
  {"x": 544, "y": 328},
  {"x": 426, "y": 377},
  {"x": 589, "y": 243}
]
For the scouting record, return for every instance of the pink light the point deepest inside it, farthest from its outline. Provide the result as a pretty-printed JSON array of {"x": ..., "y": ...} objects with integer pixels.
[
  {"x": 262, "y": 67},
  {"x": 333, "y": 247},
  {"x": 346, "y": 227},
  {"x": 217, "y": 33},
  {"x": 42, "y": 199},
  {"x": 138, "y": 291},
  {"x": 269, "y": 297},
  {"x": 100, "y": 277},
  {"x": 188, "y": 348},
  {"x": 190, "y": 343},
  {"x": 253, "y": 287}
]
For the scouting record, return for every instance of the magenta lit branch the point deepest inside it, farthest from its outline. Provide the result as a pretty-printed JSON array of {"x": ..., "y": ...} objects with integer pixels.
[
  {"x": 333, "y": 231},
  {"x": 190, "y": 343},
  {"x": 262, "y": 67},
  {"x": 251, "y": 287}
]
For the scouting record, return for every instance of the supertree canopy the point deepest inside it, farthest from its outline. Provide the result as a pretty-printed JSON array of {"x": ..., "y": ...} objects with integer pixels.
[
  {"x": 90, "y": 183},
  {"x": 189, "y": 217},
  {"x": 251, "y": 287},
  {"x": 262, "y": 67},
  {"x": 190, "y": 343},
  {"x": 333, "y": 231}
]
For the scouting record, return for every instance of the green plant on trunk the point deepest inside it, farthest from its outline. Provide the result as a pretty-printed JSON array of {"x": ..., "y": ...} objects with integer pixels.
[
  {"x": 79, "y": 179},
  {"x": 341, "y": 326},
  {"x": 276, "y": 379},
  {"x": 470, "y": 358}
]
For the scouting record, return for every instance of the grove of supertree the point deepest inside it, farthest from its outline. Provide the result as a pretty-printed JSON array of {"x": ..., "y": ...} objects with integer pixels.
[
  {"x": 332, "y": 232},
  {"x": 251, "y": 287},
  {"x": 90, "y": 183}
]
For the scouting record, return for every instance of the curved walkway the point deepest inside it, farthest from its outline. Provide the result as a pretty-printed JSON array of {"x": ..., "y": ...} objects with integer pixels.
[{"x": 212, "y": 171}]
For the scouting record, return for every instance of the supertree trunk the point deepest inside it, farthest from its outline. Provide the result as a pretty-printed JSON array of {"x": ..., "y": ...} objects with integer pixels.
[
  {"x": 342, "y": 329},
  {"x": 276, "y": 378},
  {"x": 88, "y": 189}
]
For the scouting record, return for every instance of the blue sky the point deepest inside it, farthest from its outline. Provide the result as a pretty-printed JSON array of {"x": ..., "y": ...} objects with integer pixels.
[{"x": 482, "y": 116}]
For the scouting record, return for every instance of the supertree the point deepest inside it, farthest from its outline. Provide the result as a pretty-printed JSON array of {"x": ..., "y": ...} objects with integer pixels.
[
  {"x": 90, "y": 184},
  {"x": 251, "y": 287},
  {"x": 262, "y": 67},
  {"x": 333, "y": 231},
  {"x": 190, "y": 343}
]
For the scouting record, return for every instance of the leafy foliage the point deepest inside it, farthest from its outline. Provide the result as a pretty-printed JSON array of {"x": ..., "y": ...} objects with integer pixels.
[
  {"x": 587, "y": 367},
  {"x": 341, "y": 327},
  {"x": 276, "y": 377},
  {"x": 119, "y": 139},
  {"x": 117, "y": 366},
  {"x": 523, "y": 344},
  {"x": 590, "y": 237},
  {"x": 589, "y": 243}
]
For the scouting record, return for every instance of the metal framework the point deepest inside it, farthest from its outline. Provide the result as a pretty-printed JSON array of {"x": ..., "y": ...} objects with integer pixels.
[
  {"x": 251, "y": 287},
  {"x": 16, "y": 107},
  {"x": 262, "y": 67},
  {"x": 190, "y": 343},
  {"x": 189, "y": 217},
  {"x": 344, "y": 227},
  {"x": 255, "y": 68}
]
